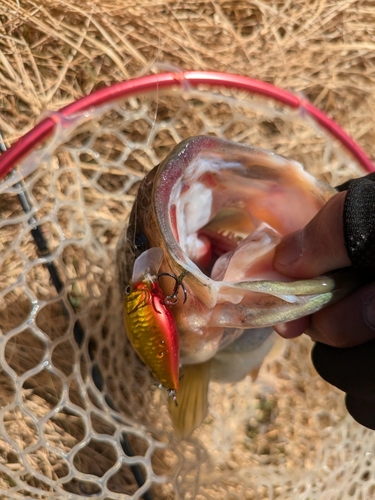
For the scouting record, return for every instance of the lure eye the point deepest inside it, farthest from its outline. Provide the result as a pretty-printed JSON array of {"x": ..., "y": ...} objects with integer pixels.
[{"x": 128, "y": 290}]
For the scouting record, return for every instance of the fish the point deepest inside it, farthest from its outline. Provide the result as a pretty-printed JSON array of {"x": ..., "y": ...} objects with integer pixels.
[{"x": 215, "y": 210}]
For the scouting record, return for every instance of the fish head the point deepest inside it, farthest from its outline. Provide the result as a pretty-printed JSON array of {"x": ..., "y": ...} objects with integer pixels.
[{"x": 218, "y": 209}]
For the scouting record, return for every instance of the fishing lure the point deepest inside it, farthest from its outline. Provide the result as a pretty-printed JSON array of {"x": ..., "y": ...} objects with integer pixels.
[{"x": 149, "y": 321}]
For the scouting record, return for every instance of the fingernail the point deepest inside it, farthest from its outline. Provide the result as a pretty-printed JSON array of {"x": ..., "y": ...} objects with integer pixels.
[
  {"x": 370, "y": 311},
  {"x": 290, "y": 249}
]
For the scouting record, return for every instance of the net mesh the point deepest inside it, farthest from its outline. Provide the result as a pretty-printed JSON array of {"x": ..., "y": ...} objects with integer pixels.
[{"x": 80, "y": 416}]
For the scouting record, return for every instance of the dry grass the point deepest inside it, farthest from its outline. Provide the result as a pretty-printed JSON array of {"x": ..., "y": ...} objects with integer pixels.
[{"x": 53, "y": 52}]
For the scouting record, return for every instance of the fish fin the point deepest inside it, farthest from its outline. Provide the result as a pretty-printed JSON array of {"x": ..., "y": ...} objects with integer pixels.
[{"x": 192, "y": 398}]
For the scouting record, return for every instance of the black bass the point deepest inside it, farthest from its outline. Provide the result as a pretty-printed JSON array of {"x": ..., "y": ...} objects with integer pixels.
[{"x": 204, "y": 227}]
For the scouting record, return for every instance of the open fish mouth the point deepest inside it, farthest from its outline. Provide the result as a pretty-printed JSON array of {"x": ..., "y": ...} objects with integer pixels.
[{"x": 222, "y": 208}]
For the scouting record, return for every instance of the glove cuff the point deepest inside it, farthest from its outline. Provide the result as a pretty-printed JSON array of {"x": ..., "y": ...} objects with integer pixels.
[{"x": 359, "y": 221}]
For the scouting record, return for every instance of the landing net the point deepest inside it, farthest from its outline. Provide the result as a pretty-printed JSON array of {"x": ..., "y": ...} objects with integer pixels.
[{"x": 80, "y": 416}]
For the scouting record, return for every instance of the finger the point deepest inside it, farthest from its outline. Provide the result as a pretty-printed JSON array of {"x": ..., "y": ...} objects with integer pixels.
[
  {"x": 292, "y": 329},
  {"x": 317, "y": 248},
  {"x": 350, "y": 369},
  {"x": 349, "y": 322}
]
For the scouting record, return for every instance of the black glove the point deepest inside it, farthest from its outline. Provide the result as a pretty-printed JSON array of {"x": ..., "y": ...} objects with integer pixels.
[{"x": 353, "y": 369}]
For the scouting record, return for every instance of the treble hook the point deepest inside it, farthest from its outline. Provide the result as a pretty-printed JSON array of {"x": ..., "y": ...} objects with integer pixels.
[
  {"x": 171, "y": 300},
  {"x": 172, "y": 394}
]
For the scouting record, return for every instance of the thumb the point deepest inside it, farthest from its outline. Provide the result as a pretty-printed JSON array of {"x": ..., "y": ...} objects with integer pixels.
[{"x": 318, "y": 247}]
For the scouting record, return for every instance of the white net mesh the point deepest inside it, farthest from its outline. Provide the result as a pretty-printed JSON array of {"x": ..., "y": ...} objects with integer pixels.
[{"x": 79, "y": 414}]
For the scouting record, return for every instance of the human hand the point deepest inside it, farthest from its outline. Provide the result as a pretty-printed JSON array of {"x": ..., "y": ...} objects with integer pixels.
[
  {"x": 315, "y": 250},
  {"x": 345, "y": 331}
]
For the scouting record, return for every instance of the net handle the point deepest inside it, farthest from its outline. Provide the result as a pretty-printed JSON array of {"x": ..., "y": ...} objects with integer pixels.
[{"x": 150, "y": 83}]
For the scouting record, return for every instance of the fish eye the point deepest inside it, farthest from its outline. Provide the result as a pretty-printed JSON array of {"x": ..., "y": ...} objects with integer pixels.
[{"x": 128, "y": 290}]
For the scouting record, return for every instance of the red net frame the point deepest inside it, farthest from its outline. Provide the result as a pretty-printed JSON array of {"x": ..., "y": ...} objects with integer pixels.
[{"x": 167, "y": 80}]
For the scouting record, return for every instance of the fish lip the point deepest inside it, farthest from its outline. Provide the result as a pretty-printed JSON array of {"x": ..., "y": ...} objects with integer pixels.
[
  {"x": 170, "y": 170},
  {"x": 167, "y": 175}
]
